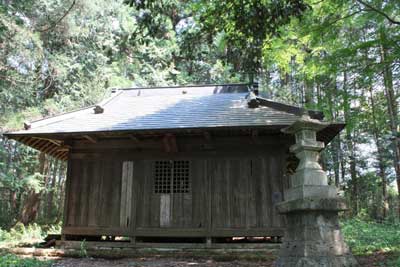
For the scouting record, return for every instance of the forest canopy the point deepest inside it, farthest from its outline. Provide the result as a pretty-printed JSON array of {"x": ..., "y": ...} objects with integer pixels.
[{"x": 340, "y": 57}]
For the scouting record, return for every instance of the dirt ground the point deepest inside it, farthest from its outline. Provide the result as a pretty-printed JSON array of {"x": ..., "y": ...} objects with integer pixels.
[
  {"x": 378, "y": 259},
  {"x": 152, "y": 262}
]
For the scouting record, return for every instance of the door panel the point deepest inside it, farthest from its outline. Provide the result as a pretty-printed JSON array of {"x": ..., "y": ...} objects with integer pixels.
[{"x": 167, "y": 200}]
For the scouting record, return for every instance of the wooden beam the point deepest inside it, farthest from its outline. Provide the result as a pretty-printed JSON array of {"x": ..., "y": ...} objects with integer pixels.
[
  {"x": 56, "y": 142},
  {"x": 42, "y": 145},
  {"x": 49, "y": 148},
  {"x": 167, "y": 147},
  {"x": 208, "y": 144},
  {"x": 172, "y": 141},
  {"x": 207, "y": 136},
  {"x": 61, "y": 155},
  {"x": 185, "y": 232},
  {"x": 29, "y": 141},
  {"x": 133, "y": 138},
  {"x": 35, "y": 142},
  {"x": 22, "y": 139},
  {"x": 64, "y": 156},
  {"x": 53, "y": 150},
  {"x": 169, "y": 142},
  {"x": 92, "y": 139},
  {"x": 254, "y": 136},
  {"x": 58, "y": 154}
]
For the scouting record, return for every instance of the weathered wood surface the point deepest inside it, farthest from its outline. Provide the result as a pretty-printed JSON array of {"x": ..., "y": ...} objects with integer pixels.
[
  {"x": 126, "y": 193},
  {"x": 94, "y": 193},
  {"x": 92, "y": 246},
  {"x": 232, "y": 193}
]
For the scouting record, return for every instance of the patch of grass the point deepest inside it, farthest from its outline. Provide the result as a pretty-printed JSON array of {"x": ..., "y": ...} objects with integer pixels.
[
  {"x": 367, "y": 237},
  {"x": 83, "y": 250},
  {"x": 10, "y": 260},
  {"x": 21, "y": 235},
  {"x": 395, "y": 263}
]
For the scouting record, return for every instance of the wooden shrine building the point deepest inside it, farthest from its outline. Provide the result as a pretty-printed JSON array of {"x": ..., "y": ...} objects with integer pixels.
[{"x": 195, "y": 162}]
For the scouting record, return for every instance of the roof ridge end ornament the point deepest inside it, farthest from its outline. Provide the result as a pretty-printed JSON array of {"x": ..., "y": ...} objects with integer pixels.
[
  {"x": 252, "y": 101},
  {"x": 27, "y": 125},
  {"x": 98, "y": 109}
]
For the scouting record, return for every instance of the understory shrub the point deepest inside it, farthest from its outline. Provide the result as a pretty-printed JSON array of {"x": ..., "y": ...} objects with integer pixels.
[
  {"x": 31, "y": 234},
  {"x": 366, "y": 237},
  {"x": 10, "y": 260}
]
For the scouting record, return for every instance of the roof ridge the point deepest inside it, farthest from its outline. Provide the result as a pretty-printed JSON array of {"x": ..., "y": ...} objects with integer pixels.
[
  {"x": 292, "y": 109},
  {"x": 178, "y": 86},
  {"x": 109, "y": 99},
  {"x": 64, "y": 114},
  {"x": 59, "y": 117}
]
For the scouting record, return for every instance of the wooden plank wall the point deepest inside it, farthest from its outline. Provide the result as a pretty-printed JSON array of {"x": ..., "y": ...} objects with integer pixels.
[
  {"x": 244, "y": 191},
  {"x": 94, "y": 193},
  {"x": 226, "y": 194}
]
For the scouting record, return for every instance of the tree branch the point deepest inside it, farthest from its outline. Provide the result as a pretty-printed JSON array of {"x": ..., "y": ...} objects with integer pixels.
[
  {"x": 379, "y": 12},
  {"x": 342, "y": 18},
  {"x": 54, "y": 24},
  {"x": 324, "y": 25}
]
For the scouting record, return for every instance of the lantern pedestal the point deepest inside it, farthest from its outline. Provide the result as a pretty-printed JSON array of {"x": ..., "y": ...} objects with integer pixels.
[{"x": 311, "y": 206}]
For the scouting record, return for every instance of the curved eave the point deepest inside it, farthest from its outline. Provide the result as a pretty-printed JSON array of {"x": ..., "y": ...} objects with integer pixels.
[
  {"x": 50, "y": 146},
  {"x": 327, "y": 134}
]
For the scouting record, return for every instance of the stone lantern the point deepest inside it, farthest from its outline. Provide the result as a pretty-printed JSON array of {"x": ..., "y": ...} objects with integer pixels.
[{"x": 311, "y": 206}]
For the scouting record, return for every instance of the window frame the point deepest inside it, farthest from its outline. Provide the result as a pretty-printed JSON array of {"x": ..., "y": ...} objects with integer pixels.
[{"x": 172, "y": 177}]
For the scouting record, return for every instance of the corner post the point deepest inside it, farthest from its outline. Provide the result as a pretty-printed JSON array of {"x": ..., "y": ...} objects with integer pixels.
[{"x": 311, "y": 206}]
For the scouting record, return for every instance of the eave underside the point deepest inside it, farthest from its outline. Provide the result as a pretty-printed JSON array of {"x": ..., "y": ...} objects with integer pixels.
[{"x": 58, "y": 145}]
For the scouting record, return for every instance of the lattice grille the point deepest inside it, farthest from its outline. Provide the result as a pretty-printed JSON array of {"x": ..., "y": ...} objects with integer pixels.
[
  {"x": 162, "y": 183},
  {"x": 181, "y": 176},
  {"x": 171, "y": 177}
]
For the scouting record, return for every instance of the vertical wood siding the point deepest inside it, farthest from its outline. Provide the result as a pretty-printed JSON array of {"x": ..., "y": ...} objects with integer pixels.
[
  {"x": 95, "y": 193},
  {"x": 225, "y": 193}
]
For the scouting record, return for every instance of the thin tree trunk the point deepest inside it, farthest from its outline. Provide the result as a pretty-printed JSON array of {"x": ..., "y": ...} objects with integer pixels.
[
  {"x": 308, "y": 93},
  {"x": 44, "y": 193},
  {"x": 381, "y": 164},
  {"x": 336, "y": 142},
  {"x": 350, "y": 146}
]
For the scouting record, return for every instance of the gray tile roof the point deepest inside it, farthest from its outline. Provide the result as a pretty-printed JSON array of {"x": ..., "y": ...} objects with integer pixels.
[{"x": 166, "y": 108}]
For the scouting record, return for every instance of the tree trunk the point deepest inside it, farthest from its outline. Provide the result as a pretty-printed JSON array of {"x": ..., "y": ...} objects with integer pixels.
[
  {"x": 61, "y": 191},
  {"x": 31, "y": 205},
  {"x": 350, "y": 146},
  {"x": 336, "y": 145},
  {"x": 308, "y": 93},
  {"x": 380, "y": 149},
  {"x": 391, "y": 105},
  {"x": 50, "y": 196}
]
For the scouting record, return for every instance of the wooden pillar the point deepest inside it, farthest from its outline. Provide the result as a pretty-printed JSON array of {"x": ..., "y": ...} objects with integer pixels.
[{"x": 208, "y": 242}]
